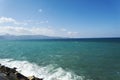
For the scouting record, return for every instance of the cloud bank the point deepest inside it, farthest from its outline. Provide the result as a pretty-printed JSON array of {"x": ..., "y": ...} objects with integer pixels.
[
  {"x": 35, "y": 31},
  {"x": 25, "y": 30},
  {"x": 7, "y": 20}
]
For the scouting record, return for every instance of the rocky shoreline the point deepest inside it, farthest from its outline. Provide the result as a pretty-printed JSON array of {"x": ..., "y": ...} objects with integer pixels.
[{"x": 7, "y": 73}]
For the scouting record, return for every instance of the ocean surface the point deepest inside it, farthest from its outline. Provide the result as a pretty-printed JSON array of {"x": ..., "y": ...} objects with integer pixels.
[{"x": 69, "y": 59}]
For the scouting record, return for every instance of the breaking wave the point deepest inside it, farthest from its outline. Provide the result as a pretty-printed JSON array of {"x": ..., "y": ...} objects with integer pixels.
[{"x": 46, "y": 72}]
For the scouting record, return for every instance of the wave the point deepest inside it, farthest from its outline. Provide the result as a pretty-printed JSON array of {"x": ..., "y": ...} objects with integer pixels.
[{"x": 46, "y": 72}]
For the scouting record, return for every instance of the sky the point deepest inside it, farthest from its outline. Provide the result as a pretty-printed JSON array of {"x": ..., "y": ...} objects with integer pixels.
[{"x": 63, "y": 18}]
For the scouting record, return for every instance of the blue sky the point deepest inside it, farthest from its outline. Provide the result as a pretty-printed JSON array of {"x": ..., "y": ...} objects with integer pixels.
[{"x": 66, "y": 18}]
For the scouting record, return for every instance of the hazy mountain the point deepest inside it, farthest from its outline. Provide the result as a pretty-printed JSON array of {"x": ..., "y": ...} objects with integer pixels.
[{"x": 25, "y": 37}]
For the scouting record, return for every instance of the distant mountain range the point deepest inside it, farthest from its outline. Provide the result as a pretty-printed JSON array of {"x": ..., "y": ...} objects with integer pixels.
[{"x": 25, "y": 37}]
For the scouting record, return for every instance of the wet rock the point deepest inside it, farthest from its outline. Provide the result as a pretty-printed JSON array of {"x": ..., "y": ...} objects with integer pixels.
[
  {"x": 34, "y": 78},
  {"x": 7, "y": 73},
  {"x": 3, "y": 76}
]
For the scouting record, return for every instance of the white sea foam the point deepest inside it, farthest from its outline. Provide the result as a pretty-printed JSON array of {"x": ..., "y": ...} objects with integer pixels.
[{"x": 48, "y": 72}]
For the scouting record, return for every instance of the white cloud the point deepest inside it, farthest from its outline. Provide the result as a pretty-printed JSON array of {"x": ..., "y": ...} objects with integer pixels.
[
  {"x": 70, "y": 33},
  {"x": 22, "y": 28},
  {"x": 63, "y": 29},
  {"x": 42, "y": 31},
  {"x": 7, "y": 20},
  {"x": 4, "y": 20},
  {"x": 35, "y": 31},
  {"x": 26, "y": 31},
  {"x": 14, "y": 30}
]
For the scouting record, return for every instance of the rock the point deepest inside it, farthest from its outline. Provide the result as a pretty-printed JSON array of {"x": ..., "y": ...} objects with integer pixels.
[
  {"x": 3, "y": 76},
  {"x": 34, "y": 78},
  {"x": 20, "y": 76},
  {"x": 7, "y": 73}
]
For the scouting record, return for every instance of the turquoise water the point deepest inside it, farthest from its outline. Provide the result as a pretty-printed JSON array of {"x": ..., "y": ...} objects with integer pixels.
[{"x": 64, "y": 59}]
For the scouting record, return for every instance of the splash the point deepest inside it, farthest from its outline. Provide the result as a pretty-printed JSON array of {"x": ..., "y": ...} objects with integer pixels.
[{"x": 46, "y": 72}]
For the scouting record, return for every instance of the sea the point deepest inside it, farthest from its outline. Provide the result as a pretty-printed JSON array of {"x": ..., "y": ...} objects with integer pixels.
[{"x": 64, "y": 59}]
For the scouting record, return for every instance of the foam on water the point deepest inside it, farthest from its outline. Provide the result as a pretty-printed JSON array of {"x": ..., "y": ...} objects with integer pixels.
[{"x": 47, "y": 72}]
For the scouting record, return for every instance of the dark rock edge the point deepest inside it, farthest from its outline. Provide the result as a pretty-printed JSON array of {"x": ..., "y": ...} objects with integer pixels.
[{"x": 7, "y": 73}]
